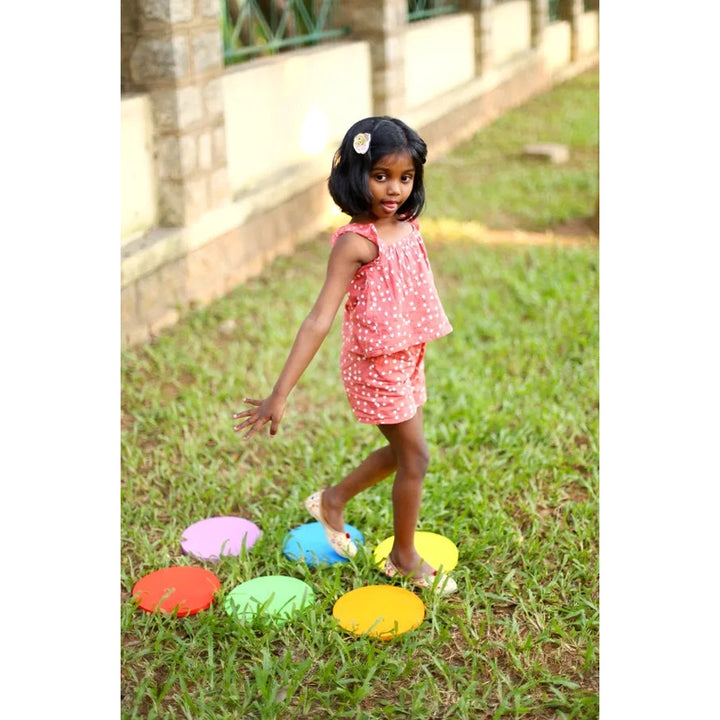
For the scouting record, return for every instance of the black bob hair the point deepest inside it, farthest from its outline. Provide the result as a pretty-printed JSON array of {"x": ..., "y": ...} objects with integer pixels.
[{"x": 349, "y": 184}]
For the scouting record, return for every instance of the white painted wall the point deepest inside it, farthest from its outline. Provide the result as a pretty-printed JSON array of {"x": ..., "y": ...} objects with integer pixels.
[
  {"x": 511, "y": 30},
  {"x": 138, "y": 185},
  {"x": 589, "y": 32},
  {"x": 439, "y": 56},
  {"x": 293, "y": 108},
  {"x": 556, "y": 45}
]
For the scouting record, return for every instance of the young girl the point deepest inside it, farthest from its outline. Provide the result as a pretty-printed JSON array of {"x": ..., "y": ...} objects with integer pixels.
[{"x": 379, "y": 260}]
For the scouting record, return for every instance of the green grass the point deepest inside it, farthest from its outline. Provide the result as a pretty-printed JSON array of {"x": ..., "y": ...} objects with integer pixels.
[
  {"x": 490, "y": 180},
  {"x": 512, "y": 422}
]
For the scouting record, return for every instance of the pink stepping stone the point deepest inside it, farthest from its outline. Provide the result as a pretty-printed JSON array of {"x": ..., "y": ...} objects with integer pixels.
[{"x": 213, "y": 537}]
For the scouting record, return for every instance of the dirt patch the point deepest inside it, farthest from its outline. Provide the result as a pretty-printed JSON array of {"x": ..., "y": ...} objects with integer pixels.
[
  {"x": 575, "y": 232},
  {"x": 579, "y": 227}
]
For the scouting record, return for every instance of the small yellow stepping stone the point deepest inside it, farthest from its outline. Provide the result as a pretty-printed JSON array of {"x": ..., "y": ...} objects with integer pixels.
[{"x": 437, "y": 550}]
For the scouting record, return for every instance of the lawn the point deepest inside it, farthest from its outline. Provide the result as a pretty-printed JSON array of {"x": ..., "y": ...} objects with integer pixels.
[{"x": 512, "y": 423}]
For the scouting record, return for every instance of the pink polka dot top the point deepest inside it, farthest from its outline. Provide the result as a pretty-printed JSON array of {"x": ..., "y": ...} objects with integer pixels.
[{"x": 392, "y": 302}]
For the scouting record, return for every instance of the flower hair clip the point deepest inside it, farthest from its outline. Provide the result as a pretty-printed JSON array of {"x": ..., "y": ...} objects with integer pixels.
[{"x": 361, "y": 143}]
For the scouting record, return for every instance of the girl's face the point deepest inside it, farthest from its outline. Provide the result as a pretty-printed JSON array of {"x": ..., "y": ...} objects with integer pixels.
[{"x": 391, "y": 182}]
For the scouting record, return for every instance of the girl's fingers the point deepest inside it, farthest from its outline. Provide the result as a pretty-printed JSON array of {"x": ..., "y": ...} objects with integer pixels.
[
  {"x": 255, "y": 427},
  {"x": 247, "y": 413},
  {"x": 250, "y": 433},
  {"x": 253, "y": 420},
  {"x": 251, "y": 416}
]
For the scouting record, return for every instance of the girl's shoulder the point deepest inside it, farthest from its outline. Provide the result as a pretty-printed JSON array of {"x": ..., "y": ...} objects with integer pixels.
[{"x": 366, "y": 230}]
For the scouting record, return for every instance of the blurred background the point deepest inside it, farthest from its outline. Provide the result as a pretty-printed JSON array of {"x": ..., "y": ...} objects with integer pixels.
[{"x": 231, "y": 111}]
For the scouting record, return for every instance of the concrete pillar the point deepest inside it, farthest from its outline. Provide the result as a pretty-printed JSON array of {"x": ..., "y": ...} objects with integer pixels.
[
  {"x": 129, "y": 18},
  {"x": 482, "y": 20},
  {"x": 384, "y": 24},
  {"x": 177, "y": 59},
  {"x": 538, "y": 22},
  {"x": 571, "y": 11}
]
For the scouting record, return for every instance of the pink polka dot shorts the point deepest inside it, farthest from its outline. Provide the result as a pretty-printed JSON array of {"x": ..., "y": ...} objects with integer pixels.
[{"x": 387, "y": 389}]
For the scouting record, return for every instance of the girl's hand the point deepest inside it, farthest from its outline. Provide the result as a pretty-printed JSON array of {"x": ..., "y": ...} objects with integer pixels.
[
  {"x": 270, "y": 410},
  {"x": 350, "y": 252}
]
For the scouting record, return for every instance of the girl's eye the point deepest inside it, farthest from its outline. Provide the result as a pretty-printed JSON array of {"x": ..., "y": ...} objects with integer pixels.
[
  {"x": 406, "y": 178},
  {"x": 380, "y": 176}
]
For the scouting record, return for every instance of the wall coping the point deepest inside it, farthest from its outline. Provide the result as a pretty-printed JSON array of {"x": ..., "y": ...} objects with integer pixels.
[{"x": 142, "y": 255}]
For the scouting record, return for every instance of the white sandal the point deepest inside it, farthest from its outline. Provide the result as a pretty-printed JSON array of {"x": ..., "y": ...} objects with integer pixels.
[
  {"x": 439, "y": 582},
  {"x": 340, "y": 542}
]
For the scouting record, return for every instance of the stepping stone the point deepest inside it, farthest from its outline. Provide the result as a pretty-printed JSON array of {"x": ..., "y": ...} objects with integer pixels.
[
  {"x": 308, "y": 542},
  {"x": 552, "y": 152},
  {"x": 224, "y": 535},
  {"x": 382, "y": 611},
  {"x": 276, "y": 597},
  {"x": 437, "y": 550},
  {"x": 181, "y": 589}
]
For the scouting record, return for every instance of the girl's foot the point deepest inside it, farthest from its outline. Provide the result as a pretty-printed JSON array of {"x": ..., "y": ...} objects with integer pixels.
[
  {"x": 423, "y": 575},
  {"x": 332, "y": 513},
  {"x": 339, "y": 541}
]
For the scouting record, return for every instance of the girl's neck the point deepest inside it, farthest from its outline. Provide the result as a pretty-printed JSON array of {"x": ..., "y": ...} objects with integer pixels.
[
  {"x": 390, "y": 229},
  {"x": 386, "y": 223}
]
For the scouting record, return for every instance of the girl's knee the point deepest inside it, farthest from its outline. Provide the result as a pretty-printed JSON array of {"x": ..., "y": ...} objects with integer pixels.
[
  {"x": 409, "y": 446},
  {"x": 416, "y": 460},
  {"x": 424, "y": 457}
]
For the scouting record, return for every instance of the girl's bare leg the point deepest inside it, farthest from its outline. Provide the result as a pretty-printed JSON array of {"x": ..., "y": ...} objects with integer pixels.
[
  {"x": 376, "y": 467},
  {"x": 407, "y": 441}
]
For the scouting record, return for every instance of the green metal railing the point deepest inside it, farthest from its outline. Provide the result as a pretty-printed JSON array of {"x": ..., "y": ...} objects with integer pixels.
[
  {"x": 252, "y": 28},
  {"x": 422, "y": 9},
  {"x": 554, "y": 11}
]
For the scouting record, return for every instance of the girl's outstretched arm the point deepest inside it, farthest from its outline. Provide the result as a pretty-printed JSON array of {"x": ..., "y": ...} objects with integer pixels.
[{"x": 348, "y": 254}]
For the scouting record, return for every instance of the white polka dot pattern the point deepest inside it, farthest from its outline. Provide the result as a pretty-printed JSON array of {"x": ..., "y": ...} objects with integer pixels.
[
  {"x": 387, "y": 389},
  {"x": 392, "y": 301}
]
